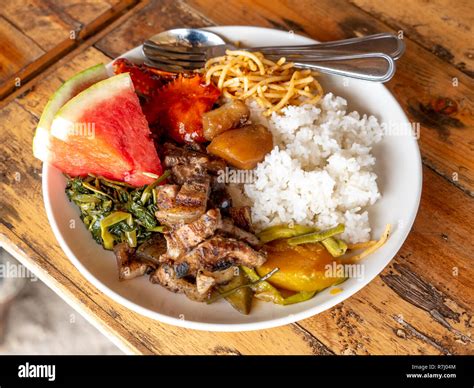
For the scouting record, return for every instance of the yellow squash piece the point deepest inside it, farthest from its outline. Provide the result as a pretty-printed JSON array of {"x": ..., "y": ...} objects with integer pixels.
[{"x": 302, "y": 267}]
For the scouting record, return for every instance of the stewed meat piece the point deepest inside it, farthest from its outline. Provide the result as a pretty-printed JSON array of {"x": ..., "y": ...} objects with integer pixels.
[{"x": 232, "y": 114}]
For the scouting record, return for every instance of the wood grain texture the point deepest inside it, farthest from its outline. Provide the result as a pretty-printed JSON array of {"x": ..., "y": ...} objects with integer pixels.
[
  {"x": 41, "y": 31},
  {"x": 423, "y": 84},
  {"x": 441, "y": 26},
  {"x": 421, "y": 303},
  {"x": 16, "y": 50}
]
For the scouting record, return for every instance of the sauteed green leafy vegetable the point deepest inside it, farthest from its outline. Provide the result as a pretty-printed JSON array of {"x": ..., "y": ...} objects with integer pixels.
[{"x": 115, "y": 211}]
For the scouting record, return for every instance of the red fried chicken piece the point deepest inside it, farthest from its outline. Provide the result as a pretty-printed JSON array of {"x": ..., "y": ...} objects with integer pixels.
[
  {"x": 146, "y": 80},
  {"x": 178, "y": 107}
]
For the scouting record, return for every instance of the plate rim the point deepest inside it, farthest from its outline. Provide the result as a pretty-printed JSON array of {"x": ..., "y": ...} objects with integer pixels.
[{"x": 231, "y": 327}]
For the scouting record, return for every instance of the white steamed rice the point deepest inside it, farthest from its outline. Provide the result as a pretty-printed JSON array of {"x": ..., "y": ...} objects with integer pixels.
[{"x": 320, "y": 171}]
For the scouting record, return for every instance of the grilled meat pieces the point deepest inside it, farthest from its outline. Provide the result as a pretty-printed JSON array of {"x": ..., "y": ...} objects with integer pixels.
[
  {"x": 228, "y": 227},
  {"x": 186, "y": 237},
  {"x": 218, "y": 253},
  {"x": 181, "y": 205},
  {"x": 191, "y": 160},
  {"x": 165, "y": 196},
  {"x": 194, "y": 193},
  {"x": 203, "y": 249},
  {"x": 152, "y": 249},
  {"x": 165, "y": 275},
  {"x": 242, "y": 217},
  {"x": 129, "y": 266},
  {"x": 171, "y": 213}
]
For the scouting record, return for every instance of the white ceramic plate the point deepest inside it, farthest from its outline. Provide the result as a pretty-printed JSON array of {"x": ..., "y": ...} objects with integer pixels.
[{"x": 400, "y": 178}]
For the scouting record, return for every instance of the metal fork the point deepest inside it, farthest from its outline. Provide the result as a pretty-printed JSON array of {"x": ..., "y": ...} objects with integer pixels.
[{"x": 369, "y": 58}]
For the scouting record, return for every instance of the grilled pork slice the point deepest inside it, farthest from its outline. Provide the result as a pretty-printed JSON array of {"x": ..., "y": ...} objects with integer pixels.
[
  {"x": 179, "y": 215},
  {"x": 194, "y": 192},
  {"x": 185, "y": 172},
  {"x": 166, "y": 195},
  {"x": 165, "y": 275},
  {"x": 173, "y": 214},
  {"x": 228, "y": 227},
  {"x": 152, "y": 249},
  {"x": 242, "y": 217},
  {"x": 218, "y": 253},
  {"x": 129, "y": 266},
  {"x": 181, "y": 240},
  {"x": 174, "y": 156}
]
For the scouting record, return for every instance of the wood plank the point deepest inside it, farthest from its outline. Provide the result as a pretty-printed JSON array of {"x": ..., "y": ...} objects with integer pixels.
[
  {"x": 36, "y": 77},
  {"x": 45, "y": 25},
  {"x": 55, "y": 27},
  {"x": 441, "y": 26},
  {"x": 16, "y": 50},
  {"x": 423, "y": 84},
  {"x": 156, "y": 16}
]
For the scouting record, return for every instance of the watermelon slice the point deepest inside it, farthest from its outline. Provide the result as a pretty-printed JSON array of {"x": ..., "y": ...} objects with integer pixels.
[
  {"x": 103, "y": 131},
  {"x": 68, "y": 90}
]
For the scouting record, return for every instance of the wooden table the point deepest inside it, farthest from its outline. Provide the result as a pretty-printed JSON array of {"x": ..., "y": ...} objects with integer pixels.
[{"x": 420, "y": 304}]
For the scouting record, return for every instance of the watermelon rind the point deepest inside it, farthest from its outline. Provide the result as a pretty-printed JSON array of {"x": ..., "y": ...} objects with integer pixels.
[
  {"x": 65, "y": 92},
  {"x": 106, "y": 132},
  {"x": 89, "y": 98}
]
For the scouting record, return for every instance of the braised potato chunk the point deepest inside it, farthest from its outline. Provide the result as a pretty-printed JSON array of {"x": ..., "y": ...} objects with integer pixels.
[
  {"x": 243, "y": 147},
  {"x": 230, "y": 115}
]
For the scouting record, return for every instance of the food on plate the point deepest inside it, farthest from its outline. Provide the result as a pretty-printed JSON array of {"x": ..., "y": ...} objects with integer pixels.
[
  {"x": 267, "y": 292},
  {"x": 243, "y": 147},
  {"x": 320, "y": 172},
  {"x": 273, "y": 85},
  {"x": 151, "y": 179},
  {"x": 102, "y": 131},
  {"x": 284, "y": 231},
  {"x": 68, "y": 90},
  {"x": 178, "y": 107},
  {"x": 301, "y": 267},
  {"x": 146, "y": 80},
  {"x": 115, "y": 211},
  {"x": 229, "y": 115},
  {"x": 238, "y": 292}
]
